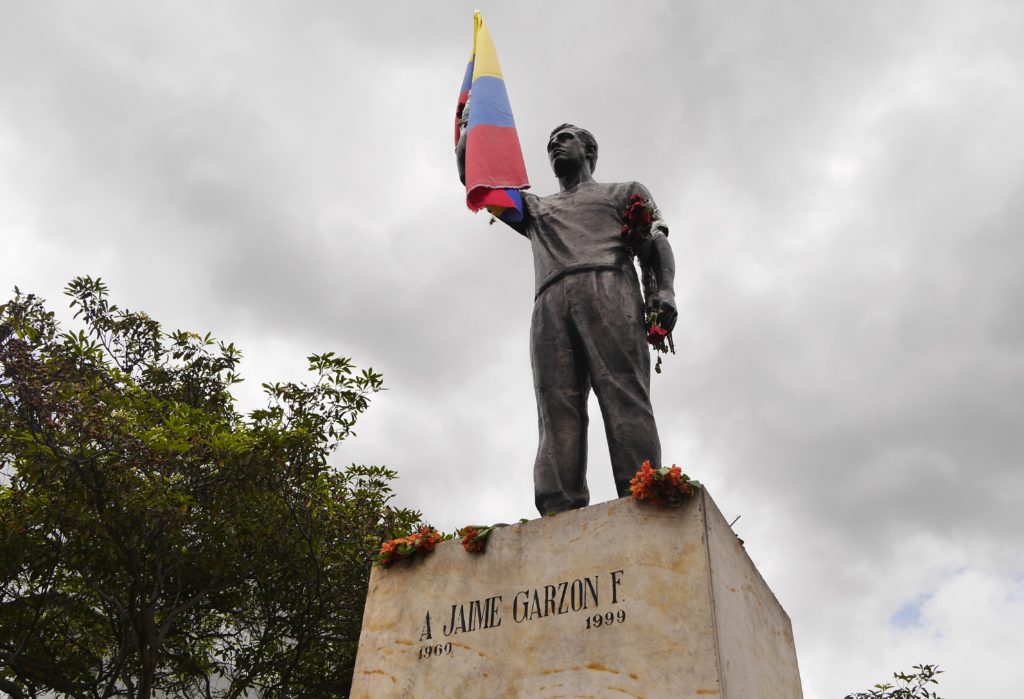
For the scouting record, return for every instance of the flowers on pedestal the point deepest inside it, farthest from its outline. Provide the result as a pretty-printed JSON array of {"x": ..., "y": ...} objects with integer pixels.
[
  {"x": 423, "y": 541},
  {"x": 419, "y": 543},
  {"x": 474, "y": 537},
  {"x": 665, "y": 487}
]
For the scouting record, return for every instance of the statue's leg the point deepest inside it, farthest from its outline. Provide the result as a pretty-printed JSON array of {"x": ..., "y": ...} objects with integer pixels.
[
  {"x": 562, "y": 387},
  {"x": 610, "y": 321}
]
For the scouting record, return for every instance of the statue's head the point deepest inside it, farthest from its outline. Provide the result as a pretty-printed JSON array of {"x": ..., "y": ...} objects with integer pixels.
[{"x": 567, "y": 143}]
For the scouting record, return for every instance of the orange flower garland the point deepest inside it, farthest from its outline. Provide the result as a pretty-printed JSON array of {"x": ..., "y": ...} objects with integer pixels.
[
  {"x": 665, "y": 487},
  {"x": 419, "y": 543},
  {"x": 474, "y": 537}
]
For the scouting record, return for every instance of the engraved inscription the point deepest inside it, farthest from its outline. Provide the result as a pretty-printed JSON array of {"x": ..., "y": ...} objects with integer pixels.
[
  {"x": 606, "y": 619},
  {"x": 478, "y": 614},
  {"x": 583, "y": 594},
  {"x": 560, "y": 598},
  {"x": 435, "y": 651}
]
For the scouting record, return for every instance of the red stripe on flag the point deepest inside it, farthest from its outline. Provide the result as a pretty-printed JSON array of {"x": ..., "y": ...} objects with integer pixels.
[{"x": 494, "y": 158}]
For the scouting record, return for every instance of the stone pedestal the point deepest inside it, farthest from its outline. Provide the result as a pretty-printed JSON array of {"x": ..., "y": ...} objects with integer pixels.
[{"x": 615, "y": 600}]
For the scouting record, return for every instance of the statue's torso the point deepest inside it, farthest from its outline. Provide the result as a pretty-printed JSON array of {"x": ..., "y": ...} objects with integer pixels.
[{"x": 578, "y": 228}]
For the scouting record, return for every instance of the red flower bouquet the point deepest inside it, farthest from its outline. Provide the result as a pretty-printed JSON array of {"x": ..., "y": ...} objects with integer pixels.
[
  {"x": 636, "y": 221},
  {"x": 658, "y": 337}
]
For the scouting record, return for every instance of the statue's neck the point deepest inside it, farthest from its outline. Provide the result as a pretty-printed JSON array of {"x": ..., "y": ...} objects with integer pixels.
[{"x": 578, "y": 177}]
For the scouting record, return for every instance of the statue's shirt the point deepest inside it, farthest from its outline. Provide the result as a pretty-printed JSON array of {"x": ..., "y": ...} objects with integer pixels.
[{"x": 578, "y": 229}]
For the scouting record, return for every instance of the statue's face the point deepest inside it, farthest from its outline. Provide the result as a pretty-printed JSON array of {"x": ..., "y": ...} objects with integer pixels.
[{"x": 566, "y": 151}]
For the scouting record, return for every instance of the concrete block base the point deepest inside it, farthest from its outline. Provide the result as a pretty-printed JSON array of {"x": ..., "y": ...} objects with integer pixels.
[{"x": 615, "y": 600}]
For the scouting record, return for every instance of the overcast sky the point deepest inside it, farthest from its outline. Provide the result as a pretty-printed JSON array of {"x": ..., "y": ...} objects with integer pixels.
[{"x": 845, "y": 186}]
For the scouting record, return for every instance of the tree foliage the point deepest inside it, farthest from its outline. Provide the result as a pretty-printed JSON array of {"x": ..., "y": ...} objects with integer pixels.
[
  {"x": 914, "y": 685},
  {"x": 153, "y": 539}
]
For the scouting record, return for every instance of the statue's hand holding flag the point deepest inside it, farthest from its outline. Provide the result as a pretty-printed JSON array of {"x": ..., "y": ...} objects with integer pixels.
[{"x": 494, "y": 170}]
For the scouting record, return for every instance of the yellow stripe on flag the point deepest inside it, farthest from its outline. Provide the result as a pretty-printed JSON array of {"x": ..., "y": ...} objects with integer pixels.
[{"x": 486, "y": 58}]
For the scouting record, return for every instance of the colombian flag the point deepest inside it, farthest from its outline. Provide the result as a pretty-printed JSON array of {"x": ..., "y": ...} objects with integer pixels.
[{"x": 495, "y": 171}]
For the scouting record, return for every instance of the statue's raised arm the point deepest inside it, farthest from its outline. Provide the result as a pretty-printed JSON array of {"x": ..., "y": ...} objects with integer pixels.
[{"x": 488, "y": 154}]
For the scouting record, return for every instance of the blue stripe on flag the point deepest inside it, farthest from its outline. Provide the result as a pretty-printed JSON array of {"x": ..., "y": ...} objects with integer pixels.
[
  {"x": 513, "y": 214},
  {"x": 488, "y": 103},
  {"x": 467, "y": 80}
]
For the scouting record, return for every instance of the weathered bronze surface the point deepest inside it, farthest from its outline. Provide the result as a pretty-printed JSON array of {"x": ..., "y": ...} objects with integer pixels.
[{"x": 588, "y": 326}]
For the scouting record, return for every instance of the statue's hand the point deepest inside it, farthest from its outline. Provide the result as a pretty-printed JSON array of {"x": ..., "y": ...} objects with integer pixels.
[{"x": 665, "y": 303}]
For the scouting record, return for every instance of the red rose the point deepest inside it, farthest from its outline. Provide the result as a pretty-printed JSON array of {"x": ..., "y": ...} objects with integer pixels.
[
  {"x": 656, "y": 335},
  {"x": 636, "y": 221},
  {"x": 638, "y": 212}
]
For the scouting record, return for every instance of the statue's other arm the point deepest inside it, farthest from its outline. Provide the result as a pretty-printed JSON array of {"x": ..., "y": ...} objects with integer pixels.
[
  {"x": 659, "y": 265},
  {"x": 662, "y": 264}
]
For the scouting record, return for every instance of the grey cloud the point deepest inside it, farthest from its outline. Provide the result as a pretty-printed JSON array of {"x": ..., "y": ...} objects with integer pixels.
[{"x": 843, "y": 185}]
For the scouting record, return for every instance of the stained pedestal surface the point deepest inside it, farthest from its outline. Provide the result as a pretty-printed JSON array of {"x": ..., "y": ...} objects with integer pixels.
[{"x": 614, "y": 600}]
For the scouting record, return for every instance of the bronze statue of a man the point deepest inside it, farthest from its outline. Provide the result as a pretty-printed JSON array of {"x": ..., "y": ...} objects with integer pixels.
[{"x": 588, "y": 327}]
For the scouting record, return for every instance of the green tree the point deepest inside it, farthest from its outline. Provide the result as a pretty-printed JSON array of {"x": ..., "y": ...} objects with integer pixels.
[
  {"x": 915, "y": 685},
  {"x": 153, "y": 539}
]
